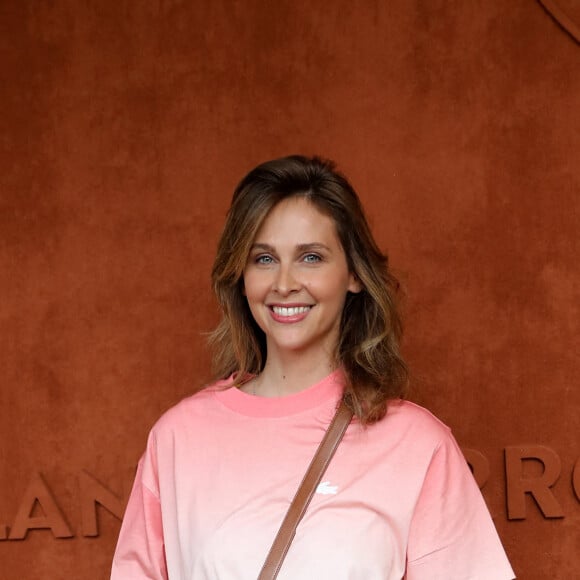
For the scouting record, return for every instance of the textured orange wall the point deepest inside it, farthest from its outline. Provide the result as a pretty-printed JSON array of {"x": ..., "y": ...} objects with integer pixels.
[{"x": 124, "y": 127}]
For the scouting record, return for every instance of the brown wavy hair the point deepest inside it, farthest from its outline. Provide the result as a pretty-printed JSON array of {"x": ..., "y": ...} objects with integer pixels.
[{"x": 370, "y": 330}]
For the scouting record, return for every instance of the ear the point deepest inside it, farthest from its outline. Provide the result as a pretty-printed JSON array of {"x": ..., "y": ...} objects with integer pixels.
[{"x": 354, "y": 284}]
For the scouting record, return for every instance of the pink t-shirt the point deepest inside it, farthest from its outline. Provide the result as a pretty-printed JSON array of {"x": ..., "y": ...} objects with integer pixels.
[{"x": 221, "y": 467}]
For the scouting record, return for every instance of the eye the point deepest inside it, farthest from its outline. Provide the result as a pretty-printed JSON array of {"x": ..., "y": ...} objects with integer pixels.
[
  {"x": 312, "y": 258},
  {"x": 263, "y": 259}
]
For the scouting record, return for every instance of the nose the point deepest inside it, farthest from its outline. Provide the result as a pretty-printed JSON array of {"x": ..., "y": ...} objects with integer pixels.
[{"x": 285, "y": 281}]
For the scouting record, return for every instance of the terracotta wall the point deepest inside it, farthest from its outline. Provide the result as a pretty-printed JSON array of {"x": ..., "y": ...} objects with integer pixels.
[{"x": 124, "y": 127}]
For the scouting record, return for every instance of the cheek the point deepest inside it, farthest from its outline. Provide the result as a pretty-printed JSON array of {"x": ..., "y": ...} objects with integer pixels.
[
  {"x": 254, "y": 286},
  {"x": 332, "y": 288}
]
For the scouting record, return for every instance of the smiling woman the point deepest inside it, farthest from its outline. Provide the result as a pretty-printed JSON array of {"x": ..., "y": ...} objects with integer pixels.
[
  {"x": 310, "y": 324},
  {"x": 306, "y": 199}
]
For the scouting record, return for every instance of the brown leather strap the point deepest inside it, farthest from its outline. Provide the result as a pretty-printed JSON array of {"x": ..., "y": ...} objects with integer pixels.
[{"x": 305, "y": 492}]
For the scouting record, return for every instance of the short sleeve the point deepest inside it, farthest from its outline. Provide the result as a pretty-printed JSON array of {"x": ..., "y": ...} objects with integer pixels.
[
  {"x": 140, "y": 552},
  {"x": 452, "y": 536}
]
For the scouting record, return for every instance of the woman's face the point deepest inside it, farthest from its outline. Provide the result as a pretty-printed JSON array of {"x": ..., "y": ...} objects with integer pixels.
[{"x": 296, "y": 280}]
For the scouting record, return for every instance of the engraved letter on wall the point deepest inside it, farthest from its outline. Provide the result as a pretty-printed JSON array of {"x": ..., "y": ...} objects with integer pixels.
[
  {"x": 52, "y": 519},
  {"x": 538, "y": 487},
  {"x": 93, "y": 492}
]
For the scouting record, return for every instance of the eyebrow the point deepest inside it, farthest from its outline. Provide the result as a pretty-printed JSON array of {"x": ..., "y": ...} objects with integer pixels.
[{"x": 300, "y": 247}]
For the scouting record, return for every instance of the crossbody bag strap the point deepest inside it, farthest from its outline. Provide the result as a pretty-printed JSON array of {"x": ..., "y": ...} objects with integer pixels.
[{"x": 306, "y": 490}]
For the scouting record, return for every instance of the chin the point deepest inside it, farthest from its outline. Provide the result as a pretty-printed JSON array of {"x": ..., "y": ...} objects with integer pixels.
[{"x": 299, "y": 346}]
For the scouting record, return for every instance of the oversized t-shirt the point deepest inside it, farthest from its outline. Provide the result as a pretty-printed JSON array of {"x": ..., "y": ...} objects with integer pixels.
[{"x": 221, "y": 468}]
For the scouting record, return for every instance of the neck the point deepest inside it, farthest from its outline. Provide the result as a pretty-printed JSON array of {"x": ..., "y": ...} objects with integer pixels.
[{"x": 291, "y": 374}]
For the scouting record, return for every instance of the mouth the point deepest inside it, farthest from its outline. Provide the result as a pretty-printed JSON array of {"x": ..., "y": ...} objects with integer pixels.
[
  {"x": 289, "y": 314},
  {"x": 288, "y": 311}
]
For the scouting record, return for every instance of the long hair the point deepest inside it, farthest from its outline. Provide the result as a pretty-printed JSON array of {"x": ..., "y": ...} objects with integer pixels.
[{"x": 370, "y": 329}]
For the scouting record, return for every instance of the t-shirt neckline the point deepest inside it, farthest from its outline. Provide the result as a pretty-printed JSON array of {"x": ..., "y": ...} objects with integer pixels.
[{"x": 327, "y": 389}]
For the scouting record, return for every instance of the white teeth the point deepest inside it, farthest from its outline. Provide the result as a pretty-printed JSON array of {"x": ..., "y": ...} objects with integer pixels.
[{"x": 283, "y": 311}]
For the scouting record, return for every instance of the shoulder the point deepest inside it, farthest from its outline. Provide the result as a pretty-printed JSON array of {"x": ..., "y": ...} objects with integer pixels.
[
  {"x": 412, "y": 431},
  {"x": 412, "y": 417},
  {"x": 201, "y": 405}
]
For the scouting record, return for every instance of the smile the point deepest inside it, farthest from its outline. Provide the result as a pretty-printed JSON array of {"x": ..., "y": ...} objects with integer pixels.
[{"x": 292, "y": 311}]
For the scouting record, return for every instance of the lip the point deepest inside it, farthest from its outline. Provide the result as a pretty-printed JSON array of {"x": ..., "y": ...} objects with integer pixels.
[{"x": 292, "y": 319}]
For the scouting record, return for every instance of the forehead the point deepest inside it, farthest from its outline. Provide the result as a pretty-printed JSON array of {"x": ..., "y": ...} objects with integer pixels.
[{"x": 296, "y": 217}]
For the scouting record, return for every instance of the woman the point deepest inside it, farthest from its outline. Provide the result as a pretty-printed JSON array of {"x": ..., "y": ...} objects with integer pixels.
[{"x": 309, "y": 318}]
